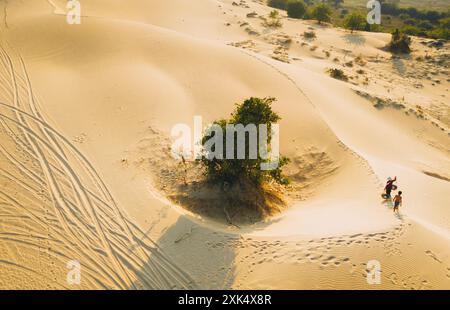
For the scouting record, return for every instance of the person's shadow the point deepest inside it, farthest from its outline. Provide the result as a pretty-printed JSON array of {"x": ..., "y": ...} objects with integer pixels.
[
  {"x": 387, "y": 201},
  {"x": 399, "y": 65}
]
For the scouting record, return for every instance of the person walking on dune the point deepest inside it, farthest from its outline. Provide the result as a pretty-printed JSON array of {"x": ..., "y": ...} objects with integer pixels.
[
  {"x": 389, "y": 186},
  {"x": 397, "y": 201}
]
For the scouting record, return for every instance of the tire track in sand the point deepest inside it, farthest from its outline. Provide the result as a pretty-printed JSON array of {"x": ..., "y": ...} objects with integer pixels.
[{"x": 69, "y": 199}]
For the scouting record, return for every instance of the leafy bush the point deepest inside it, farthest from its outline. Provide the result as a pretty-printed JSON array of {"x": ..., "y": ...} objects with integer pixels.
[
  {"x": 296, "y": 9},
  {"x": 321, "y": 12},
  {"x": 278, "y": 4},
  {"x": 274, "y": 14},
  {"x": 400, "y": 43},
  {"x": 372, "y": 28},
  {"x": 410, "y": 21},
  {"x": 443, "y": 32},
  {"x": 273, "y": 23},
  {"x": 252, "y": 111},
  {"x": 445, "y": 23},
  {"x": 425, "y": 25},
  {"x": 433, "y": 16},
  {"x": 355, "y": 21},
  {"x": 440, "y": 33},
  {"x": 273, "y": 20},
  {"x": 413, "y": 31}
]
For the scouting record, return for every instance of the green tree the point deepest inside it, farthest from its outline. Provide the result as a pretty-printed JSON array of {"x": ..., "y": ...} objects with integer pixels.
[
  {"x": 279, "y": 4},
  {"x": 296, "y": 9},
  {"x": 355, "y": 21},
  {"x": 253, "y": 111},
  {"x": 321, "y": 12}
]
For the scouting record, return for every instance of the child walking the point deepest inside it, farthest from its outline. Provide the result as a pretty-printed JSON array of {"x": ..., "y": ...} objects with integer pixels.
[{"x": 397, "y": 201}]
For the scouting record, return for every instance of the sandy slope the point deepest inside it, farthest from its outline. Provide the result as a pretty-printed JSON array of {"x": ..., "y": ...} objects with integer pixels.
[{"x": 85, "y": 118}]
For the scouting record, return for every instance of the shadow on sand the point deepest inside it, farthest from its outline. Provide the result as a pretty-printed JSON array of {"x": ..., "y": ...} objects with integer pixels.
[
  {"x": 206, "y": 256},
  {"x": 354, "y": 39},
  {"x": 203, "y": 254},
  {"x": 398, "y": 63}
]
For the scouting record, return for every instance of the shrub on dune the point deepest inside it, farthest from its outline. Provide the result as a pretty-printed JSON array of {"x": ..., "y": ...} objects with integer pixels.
[
  {"x": 400, "y": 43},
  {"x": 273, "y": 21},
  {"x": 296, "y": 9},
  {"x": 321, "y": 12},
  {"x": 355, "y": 21},
  {"x": 253, "y": 111},
  {"x": 278, "y": 4}
]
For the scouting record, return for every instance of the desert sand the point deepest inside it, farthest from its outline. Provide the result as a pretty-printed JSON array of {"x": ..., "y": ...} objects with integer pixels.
[{"x": 85, "y": 172}]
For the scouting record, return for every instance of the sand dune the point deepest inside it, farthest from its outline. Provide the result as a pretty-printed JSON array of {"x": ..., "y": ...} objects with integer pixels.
[{"x": 86, "y": 112}]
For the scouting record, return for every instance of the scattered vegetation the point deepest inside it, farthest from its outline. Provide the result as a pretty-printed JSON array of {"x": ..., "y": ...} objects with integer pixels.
[
  {"x": 252, "y": 111},
  {"x": 409, "y": 20}
]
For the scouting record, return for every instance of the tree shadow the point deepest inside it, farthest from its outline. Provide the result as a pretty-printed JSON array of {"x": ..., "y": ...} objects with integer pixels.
[
  {"x": 354, "y": 39},
  {"x": 240, "y": 204},
  {"x": 399, "y": 64}
]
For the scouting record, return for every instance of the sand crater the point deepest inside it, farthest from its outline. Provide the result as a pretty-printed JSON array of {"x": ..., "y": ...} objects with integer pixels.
[{"x": 236, "y": 204}]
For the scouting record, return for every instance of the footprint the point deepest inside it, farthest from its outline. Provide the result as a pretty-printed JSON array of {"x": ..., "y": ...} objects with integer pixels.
[
  {"x": 315, "y": 257},
  {"x": 433, "y": 256}
]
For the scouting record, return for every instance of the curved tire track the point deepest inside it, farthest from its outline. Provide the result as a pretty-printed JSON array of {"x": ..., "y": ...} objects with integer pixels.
[{"x": 69, "y": 198}]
